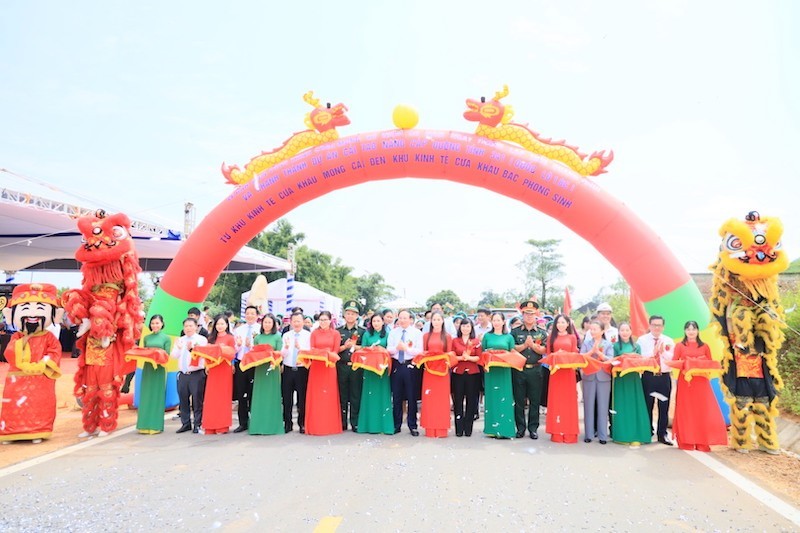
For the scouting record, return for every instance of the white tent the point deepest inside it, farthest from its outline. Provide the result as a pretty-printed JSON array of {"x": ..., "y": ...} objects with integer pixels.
[
  {"x": 310, "y": 299},
  {"x": 41, "y": 233}
]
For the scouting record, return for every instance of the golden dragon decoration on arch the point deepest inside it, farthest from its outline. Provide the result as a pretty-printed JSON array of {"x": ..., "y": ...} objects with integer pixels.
[
  {"x": 322, "y": 122},
  {"x": 494, "y": 122}
]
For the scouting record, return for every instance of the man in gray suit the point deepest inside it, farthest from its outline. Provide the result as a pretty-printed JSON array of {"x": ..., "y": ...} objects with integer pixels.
[{"x": 596, "y": 386}]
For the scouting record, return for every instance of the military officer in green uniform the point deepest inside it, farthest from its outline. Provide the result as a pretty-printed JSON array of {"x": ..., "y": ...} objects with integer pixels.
[
  {"x": 530, "y": 341},
  {"x": 350, "y": 381}
]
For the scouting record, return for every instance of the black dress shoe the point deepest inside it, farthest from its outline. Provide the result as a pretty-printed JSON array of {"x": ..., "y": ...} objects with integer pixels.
[
  {"x": 414, "y": 433},
  {"x": 396, "y": 431},
  {"x": 665, "y": 440},
  {"x": 287, "y": 428},
  {"x": 184, "y": 428},
  {"x": 467, "y": 433},
  {"x": 196, "y": 430},
  {"x": 354, "y": 429},
  {"x": 535, "y": 436},
  {"x": 459, "y": 433},
  {"x": 587, "y": 440},
  {"x": 520, "y": 434},
  {"x": 302, "y": 429},
  {"x": 240, "y": 429},
  {"x": 602, "y": 441}
]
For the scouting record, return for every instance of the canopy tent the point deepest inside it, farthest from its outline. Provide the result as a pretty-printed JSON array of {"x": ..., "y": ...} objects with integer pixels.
[
  {"x": 37, "y": 233},
  {"x": 312, "y": 300}
]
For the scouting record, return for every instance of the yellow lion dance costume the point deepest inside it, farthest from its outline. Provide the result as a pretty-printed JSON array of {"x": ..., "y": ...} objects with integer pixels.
[{"x": 747, "y": 309}]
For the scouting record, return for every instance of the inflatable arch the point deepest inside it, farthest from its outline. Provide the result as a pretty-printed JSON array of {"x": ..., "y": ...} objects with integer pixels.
[{"x": 546, "y": 185}]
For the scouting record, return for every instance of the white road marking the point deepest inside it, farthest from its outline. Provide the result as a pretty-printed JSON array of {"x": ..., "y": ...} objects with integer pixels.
[
  {"x": 767, "y": 498},
  {"x": 64, "y": 451}
]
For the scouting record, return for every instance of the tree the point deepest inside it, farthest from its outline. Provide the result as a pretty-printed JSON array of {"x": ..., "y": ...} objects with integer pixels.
[
  {"x": 789, "y": 356},
  {"x": 449, "y": 300},
  {"x": 542, "y": 267},
  {"x": 371, "y": 289},
  {"x": 316, "y": 268},
  {"x": 492, "y": 300},
  {"x": 148, "y": 282},
  {"x": 324, "y": 272},
  {"x": 227, "y": 291},
  {"x": 617, "y": 295}
]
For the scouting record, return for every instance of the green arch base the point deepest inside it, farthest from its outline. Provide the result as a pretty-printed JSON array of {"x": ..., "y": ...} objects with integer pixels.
[{"x": 685, "y": 301}]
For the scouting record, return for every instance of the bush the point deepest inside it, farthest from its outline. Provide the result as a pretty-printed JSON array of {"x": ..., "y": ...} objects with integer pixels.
[
  {"x": 789, "y": 366},
  {"x": 789, "y": 357}
]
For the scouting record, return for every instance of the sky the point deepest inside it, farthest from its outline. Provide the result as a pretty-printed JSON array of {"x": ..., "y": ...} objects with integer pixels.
[{"x": 134, "y": 107}]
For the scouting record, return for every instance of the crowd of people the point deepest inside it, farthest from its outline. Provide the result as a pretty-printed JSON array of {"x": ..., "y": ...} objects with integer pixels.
[{"x": 438, "y": 366}]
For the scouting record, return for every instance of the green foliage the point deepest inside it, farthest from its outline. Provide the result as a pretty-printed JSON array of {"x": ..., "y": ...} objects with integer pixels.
[
  {"x": 542, "y": 267},
  {"x": 789, "y": 357},
  {"x": 617, "y": 295},
  {"x": 318, "y": 269},
  {"x": 794, "y": 267},
  {"x": 789, "y": 367},
  {"x": 325, "y": 273},
  {"x": 227, "y": 291},
  {"x": 147, "y": 285},
  {"x": 371, "y": 289},
  {"x": 491, "y": 299},
  {"x": 449, "y": 300}
]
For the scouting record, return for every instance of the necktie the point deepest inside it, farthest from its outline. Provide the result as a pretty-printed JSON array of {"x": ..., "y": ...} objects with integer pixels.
[
  {"x": 657, "y": 353},
  {"x": 402, "y": 355}
]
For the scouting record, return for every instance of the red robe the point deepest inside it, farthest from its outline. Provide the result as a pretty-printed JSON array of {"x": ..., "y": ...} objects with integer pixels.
[
  {"x": 323, "y": 411},
  {"x": 29, "y": 400},
  {"x": 435, "y": 414},
  {"x": 562, "y": 396},
  {"x": 698, "y": 421},
  {"x": 217, "y": 410}
]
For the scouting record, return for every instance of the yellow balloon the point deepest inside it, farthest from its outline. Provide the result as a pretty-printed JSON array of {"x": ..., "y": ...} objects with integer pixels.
[{"x": 405, "y": 116}]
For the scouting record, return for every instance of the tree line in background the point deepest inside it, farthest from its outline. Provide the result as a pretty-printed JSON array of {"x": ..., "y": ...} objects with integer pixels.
[
  {"x": 318, "y": 269},
  {"x": 542, "y": 270}
]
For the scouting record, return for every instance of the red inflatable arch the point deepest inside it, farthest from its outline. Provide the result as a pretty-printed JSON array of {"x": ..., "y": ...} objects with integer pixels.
[{"x": 547, "y": 186}]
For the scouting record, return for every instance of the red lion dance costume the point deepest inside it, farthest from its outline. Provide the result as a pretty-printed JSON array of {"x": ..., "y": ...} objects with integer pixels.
[{"x": 108, "y": 307}]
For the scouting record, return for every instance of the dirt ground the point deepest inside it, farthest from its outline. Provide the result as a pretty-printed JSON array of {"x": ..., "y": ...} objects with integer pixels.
[{"x": 779, "y": 474}]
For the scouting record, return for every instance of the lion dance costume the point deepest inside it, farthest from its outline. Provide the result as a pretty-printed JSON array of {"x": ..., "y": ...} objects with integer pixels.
[
  {"x": 746, "y": 306},
  {"x": 109, "y": 310},
  {"x": 29, "y": 395}
]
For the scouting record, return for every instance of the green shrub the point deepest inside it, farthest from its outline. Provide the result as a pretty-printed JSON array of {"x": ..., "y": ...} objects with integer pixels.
[
  {"x": 789, "y": 366},
  {"x": 789, "y": 357}
]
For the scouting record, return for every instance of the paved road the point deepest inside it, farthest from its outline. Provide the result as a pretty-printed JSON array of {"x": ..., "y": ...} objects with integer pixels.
[{"x": 373, "y": 483}]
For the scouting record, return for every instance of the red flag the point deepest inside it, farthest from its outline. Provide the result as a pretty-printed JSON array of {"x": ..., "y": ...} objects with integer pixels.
[
  {"x": 567, "y": 302},
  {"x": 639, "y": 323}
]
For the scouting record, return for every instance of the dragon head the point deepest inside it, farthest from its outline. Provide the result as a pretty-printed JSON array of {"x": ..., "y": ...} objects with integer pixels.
[
  {"x": 751, "y": 248},
  {"x": 327, "y": 117},
  {"x": 105, "y": 238},
  {"x": 489, "y": 113}
]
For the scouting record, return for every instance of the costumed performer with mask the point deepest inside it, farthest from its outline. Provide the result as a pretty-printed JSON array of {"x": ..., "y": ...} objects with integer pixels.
[{"x": 33, "y": 353}]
